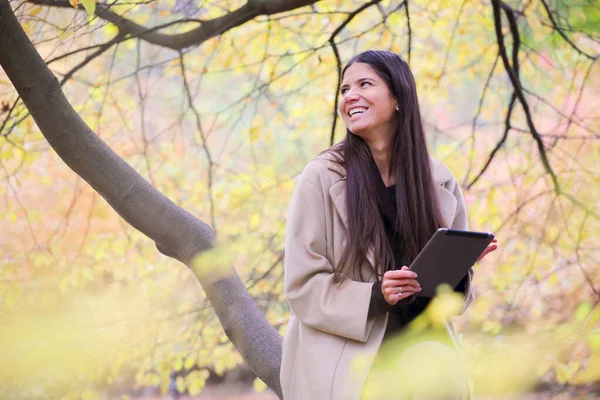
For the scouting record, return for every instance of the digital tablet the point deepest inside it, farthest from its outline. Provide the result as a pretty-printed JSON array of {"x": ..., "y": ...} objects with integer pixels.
[{"x": 447, "y": 258}]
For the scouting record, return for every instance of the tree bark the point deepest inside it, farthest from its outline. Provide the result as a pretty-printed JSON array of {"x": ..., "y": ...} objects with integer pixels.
[{"x": 176, "y": 232}]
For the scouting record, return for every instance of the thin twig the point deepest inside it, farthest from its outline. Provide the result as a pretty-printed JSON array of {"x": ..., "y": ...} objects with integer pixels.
[
  {"x": 209, "y": 172},
  {"x": 564, "y": 36},
  {"x": 336, "y": 53}
]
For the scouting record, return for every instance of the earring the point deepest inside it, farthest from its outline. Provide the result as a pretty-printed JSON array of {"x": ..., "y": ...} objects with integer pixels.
[{"x": 397, "y": 108}]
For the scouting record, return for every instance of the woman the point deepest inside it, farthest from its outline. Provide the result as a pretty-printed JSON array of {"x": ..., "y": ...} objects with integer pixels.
[{"x": 360, "y": 213}]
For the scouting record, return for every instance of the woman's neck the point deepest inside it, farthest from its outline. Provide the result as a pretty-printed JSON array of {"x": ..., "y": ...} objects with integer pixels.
[{"x": 380, "y": 151}]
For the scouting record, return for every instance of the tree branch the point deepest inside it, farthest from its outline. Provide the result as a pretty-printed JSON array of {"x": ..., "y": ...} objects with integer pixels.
[
  {"x": 451, "y": 41},
  {"x": 500, "y": 143},
  {"x": 101, "y": 49},
  {"x": 514, "y": 79},
  {"x": 339, "y": 62},
  {"x": 409, "y": 28},
  {"x": 477, "y": 114},
  {"x": 194, "y": 37},
  {"x": 176, "y": 232},
  {"x": 207, "y": 152}
]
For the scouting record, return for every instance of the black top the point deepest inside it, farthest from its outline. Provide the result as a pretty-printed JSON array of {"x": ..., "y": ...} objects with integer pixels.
[{"x": 408, "y": 309}]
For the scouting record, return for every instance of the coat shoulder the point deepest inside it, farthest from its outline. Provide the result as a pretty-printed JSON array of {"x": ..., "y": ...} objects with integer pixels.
[
  {"x": 323, "y": 170},
  {"x": 314, "y": 169},
  {"x": 441, "y": 173}
]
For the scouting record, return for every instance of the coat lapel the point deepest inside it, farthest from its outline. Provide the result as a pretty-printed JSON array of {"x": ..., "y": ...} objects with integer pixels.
[
  {"x": 337, "y": 193},
  {"x": 447, "y": 203}
]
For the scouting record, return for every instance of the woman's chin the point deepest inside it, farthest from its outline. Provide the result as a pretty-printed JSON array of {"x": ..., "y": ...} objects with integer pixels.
[{"x": 360, "y": 131}]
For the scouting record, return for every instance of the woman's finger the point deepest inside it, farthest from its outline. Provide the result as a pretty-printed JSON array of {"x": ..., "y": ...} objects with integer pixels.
[
  {"x": 393, "y": 295},
  {"x": 488, "y": 250},
  {"x": 394, "y": 283},
  {"x": 396, "y": 289},
  {"x": 400, "y": 274}
]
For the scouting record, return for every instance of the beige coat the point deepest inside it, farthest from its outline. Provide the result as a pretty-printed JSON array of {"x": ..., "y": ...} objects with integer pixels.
[{"x": 329, "y": 327}]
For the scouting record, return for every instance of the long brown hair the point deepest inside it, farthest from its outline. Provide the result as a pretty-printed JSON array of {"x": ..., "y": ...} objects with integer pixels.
[{"x": 418, "y": 211}]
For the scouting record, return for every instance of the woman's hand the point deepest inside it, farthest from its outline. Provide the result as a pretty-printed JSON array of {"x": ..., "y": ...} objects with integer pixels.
[
  {"x": 491, "y": 247},
  {"x": 399, "y": 284}
]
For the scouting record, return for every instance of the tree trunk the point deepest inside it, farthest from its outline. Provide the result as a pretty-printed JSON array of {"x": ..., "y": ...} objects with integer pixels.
[{"x": 176, "y": 232}]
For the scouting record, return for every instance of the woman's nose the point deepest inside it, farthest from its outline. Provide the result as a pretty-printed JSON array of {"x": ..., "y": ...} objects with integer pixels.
[
  {"x": 349, "y": 98},
  {"x": 350, "y": 95}
]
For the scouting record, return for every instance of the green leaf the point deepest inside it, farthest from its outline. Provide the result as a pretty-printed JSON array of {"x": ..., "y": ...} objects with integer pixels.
[{"x": 90, "y": 6}]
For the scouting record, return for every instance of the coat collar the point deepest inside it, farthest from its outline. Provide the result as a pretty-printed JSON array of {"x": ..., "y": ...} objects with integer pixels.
[
  {"x": 441, "y": 176},
  {"x": 441, "y": 173}
]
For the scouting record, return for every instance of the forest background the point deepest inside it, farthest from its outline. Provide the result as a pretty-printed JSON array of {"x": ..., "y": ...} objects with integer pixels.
[{"x": 219, "y": 105}]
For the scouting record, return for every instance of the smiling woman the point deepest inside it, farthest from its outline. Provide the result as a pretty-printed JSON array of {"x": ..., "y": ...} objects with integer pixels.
[{"x": 360, "y": 213}]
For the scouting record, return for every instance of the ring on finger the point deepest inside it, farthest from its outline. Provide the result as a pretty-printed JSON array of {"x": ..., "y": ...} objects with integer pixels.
[{"x": 399, "y": 290}]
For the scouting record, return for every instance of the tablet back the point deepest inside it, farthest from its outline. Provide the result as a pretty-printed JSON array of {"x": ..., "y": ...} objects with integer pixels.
[{"x": 447, "y": 258}]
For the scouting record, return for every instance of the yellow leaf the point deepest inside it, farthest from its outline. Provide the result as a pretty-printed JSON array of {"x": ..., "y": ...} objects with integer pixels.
[
  {"x": 445, "y": 305},
  {"x": 178, "y": 365},
  {"x": 196, "y": 381},
  {"x": 87, "y": 273},
  {"x": 90, "y": 6},
  {"x": 254, "y": 134},
  {"x": 259, "y": 385},
  {"x": 254, "y": 220},
  {"x": 110, "y": 30},
  {"x": 591, "y": 373},
  {"x": 582, "y": 311},
  {"x": 89, "y": 394},
  {"x": 189, "y": 362},
  {"x": 74, "y": 3},
  {"x": 493, "y": 327},
  {"x": 180, "y": 383},
  {"x": 563, "y": 374},
  {"x": 165, "y": 380},
  {"x": 593, "y": 340},
  {"x": 35, "y": 11}
]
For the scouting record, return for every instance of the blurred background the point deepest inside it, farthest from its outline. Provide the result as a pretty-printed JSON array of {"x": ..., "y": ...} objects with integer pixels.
[{"x": 89, "y": 309}]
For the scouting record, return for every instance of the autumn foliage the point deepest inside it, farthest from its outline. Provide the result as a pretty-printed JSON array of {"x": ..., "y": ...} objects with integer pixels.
[{"x": 221, "y": 124}]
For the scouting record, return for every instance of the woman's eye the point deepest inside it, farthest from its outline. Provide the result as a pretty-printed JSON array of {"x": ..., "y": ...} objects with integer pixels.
[
  {"x": 365, "y": 83},
  {"x": 343, "y": 91}
]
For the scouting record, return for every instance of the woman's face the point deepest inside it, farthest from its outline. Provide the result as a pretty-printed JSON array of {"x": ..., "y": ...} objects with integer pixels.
[{"x": 367, "y": 106}]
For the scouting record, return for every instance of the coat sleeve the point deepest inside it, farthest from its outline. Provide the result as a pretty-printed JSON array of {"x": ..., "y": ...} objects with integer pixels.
[
  {"x": 314, "y": 297},
  {"x": 461, "y": 222}
]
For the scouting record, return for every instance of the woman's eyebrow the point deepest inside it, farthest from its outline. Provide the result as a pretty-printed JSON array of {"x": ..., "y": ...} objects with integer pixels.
[{"x": 360, "y": 80}]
